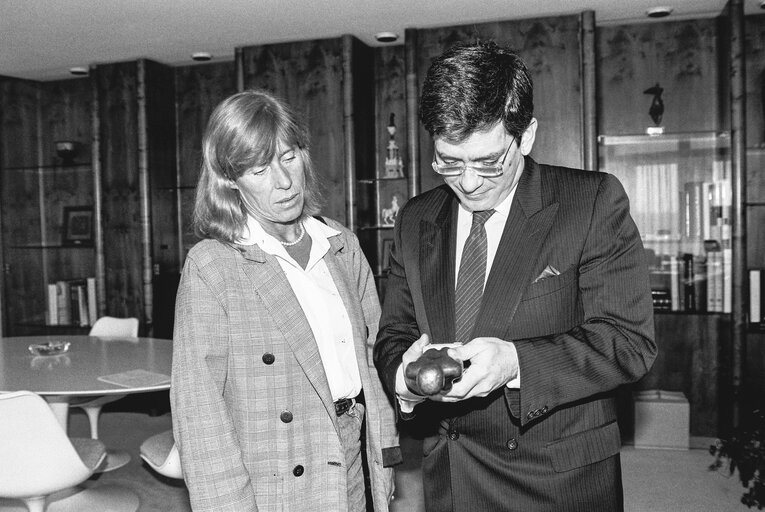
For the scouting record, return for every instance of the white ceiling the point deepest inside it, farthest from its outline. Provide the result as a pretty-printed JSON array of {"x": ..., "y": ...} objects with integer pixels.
[{"x": 42, "y": 39}]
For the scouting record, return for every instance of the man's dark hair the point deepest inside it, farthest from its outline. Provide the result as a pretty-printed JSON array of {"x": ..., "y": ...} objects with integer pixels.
[{"x": 472, "y": 87}]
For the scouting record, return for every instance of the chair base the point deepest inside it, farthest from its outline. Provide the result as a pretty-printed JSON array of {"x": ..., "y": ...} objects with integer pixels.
[
  {"x": 114, "y": 498},
  {"x": 114, "y": 459}
]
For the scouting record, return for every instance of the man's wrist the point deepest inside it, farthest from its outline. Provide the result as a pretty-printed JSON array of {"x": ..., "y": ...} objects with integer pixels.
[{"x": 406, "y": 399}]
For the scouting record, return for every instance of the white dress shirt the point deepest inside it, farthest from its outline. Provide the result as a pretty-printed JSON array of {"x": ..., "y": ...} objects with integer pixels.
[{"x": 321, "y": 303}]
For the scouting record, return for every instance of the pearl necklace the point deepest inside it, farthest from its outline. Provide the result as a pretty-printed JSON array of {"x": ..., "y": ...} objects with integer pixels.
[{"x": 290, "y": 244}]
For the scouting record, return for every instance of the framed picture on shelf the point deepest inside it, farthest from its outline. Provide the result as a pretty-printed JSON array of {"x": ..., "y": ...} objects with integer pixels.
[{"x": 78, "y": 226}]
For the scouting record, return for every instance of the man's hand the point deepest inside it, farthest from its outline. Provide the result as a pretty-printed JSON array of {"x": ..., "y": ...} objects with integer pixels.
[
  {"x": 412, "y": 354},
  {"x": 493, "y": 363}
]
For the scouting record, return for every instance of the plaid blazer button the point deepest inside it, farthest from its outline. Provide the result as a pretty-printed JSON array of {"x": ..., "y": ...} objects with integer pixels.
[
  {"x": 298, "y": 471},
  {"x": 269, "y": 358},
  {"x": 286, "y": 416}
]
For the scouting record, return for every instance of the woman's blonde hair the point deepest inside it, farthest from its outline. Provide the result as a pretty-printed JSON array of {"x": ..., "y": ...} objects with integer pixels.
[{"x": 244, "y": 131}]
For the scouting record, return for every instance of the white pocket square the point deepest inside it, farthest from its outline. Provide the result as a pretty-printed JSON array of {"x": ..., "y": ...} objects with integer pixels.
[{"x": 549, "y": 271}]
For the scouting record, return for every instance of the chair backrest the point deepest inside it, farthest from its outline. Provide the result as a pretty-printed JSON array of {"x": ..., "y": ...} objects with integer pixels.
[
  {"x": 36, "y": 455},
  {"x": 161, "y": 453},
  {"x": 111, "y": 326}
]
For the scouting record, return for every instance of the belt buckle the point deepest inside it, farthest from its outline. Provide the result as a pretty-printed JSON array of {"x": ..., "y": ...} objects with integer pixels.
[{"x": 342, "y": 406}]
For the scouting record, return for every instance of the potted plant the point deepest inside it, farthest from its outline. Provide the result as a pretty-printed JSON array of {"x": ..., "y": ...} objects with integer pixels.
[{"x": 744, "y": 451}]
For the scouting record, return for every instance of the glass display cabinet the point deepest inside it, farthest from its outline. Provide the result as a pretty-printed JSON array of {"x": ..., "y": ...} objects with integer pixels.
[{"x": 679, "y": 186}]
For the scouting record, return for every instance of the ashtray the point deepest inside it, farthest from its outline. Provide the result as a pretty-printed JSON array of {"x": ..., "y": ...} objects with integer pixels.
[{"x": 52, "y": 348}]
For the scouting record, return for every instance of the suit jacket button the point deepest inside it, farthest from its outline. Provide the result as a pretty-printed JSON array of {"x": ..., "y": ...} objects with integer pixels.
[
  {"x": 298, "y": 471},
  {"x": 544, "y": 410},
  {"x": 512, "y": 444},
  {"x": 269, "y": 358},
  {"x": 286, "y": 416},
  {"x": 454, "y": 435},
  {"x": 530, "y": 415}
]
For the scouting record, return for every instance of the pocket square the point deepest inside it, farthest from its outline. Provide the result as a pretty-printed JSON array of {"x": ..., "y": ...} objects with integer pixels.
[{"x": 549, "y": 271}]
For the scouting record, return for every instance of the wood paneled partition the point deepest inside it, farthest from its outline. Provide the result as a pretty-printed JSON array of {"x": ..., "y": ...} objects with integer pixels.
[
  {"x": 311, "y": 76},
  {"x": 552, "y": 51}
]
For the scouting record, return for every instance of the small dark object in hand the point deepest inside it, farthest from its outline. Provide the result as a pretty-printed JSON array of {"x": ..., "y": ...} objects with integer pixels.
[{"x": 432, "y": 373}]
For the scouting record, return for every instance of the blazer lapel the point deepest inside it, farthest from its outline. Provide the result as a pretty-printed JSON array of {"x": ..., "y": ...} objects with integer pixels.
[
  {"x": 436, "y": 263},
  {"x": 351, "y": 300},
  {"x": 270, "y": 283},
  {"x": 526, "y": 228}
]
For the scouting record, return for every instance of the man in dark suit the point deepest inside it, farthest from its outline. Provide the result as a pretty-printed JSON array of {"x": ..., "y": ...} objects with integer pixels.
[{"x": 562, "y": 315}]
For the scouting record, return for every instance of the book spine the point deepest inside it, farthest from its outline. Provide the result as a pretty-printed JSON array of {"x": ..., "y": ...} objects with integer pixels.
[
  {"x": 64, "y": 303},
  {"x": 92, "y": 303},
  {"x": 755, "y": 296},
  {"x": 52, "y": 303}
]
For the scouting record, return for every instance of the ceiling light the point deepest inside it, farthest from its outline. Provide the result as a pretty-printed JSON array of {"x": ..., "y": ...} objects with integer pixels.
[
  {"x": 78, "y": 71},
  {"x": 201, "y": 56},
  {"x": 659, "y": 12},
  {"x": 390, "y": 37}
]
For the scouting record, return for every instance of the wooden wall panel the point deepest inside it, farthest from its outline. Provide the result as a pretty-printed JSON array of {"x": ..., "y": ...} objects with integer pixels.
[
  {"x": 551, "y": 50},
  {"x": 199, "y": 89},
  {"x": 66, "y": 108},
  {"x": 18, "y": 107},
  {"x": 681, "y": 56},
  {"x": 755, "y": 81},
  {"x": 309, "y": 75},
  {"x": 692, "y": 358},
  {"x": 117, "y": 93}
]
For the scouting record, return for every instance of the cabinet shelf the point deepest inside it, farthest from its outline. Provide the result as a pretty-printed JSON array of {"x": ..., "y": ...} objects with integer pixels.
[
  {"x": 85, "y": 166},
  {"x": 375, "y": 227},
  {"x": 50, "y": 246},
  {"x": 372, "y": 181}
]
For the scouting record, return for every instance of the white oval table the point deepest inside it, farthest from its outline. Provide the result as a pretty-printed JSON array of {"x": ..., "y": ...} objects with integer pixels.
[{"x": 93, "y": 366}]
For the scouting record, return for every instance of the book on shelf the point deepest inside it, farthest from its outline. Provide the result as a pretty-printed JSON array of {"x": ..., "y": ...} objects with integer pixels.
[
  {"x": 756, "y": 309},
  {"x": 72, "y": 302}
]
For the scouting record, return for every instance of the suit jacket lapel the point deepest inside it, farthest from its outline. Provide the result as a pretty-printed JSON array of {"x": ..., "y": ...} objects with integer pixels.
[
  {"x": 436, "y": 263},
  {"x": 526, "y": 228},
  {"x": 269, "y": 282}
]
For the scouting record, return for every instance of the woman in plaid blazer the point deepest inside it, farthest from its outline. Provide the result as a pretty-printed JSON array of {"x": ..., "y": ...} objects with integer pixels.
[{"x": 276, "y": 404}]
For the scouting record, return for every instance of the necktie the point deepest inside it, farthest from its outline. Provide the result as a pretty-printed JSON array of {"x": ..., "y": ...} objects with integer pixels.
[{"x": 467, "y": 297}]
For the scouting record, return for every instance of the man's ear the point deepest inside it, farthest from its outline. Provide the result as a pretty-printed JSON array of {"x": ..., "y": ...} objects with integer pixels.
[{"x": 528, "y": 137}]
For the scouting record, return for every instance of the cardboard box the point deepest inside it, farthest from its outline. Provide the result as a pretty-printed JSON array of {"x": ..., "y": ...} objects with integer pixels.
[{"x": 662, "y": 419}]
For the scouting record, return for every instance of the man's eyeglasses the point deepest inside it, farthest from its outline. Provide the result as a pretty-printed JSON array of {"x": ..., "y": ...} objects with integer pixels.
[{"x": 483, "y": 169}]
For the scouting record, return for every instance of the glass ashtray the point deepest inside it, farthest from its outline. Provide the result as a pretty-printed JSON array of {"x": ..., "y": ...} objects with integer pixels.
[{"x": 52, "y": 348}]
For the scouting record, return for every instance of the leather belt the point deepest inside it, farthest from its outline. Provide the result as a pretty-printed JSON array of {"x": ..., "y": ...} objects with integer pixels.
[{"x": 344, "y": 404}]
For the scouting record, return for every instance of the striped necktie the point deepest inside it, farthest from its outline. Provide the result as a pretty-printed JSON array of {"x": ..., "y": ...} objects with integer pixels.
[{"x": 470, "y": 281}]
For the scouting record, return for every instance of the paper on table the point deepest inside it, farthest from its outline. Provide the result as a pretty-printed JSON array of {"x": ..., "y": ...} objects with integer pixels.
[{"x": 136, "y": 379}]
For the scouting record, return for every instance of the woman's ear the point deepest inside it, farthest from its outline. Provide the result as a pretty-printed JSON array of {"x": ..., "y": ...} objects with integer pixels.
[{"x": 232, "y": 185}]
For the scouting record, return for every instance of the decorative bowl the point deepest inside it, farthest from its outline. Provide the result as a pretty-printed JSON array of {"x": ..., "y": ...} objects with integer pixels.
[
  {"x": 66, "y": 150},
  {"x": 52, "y": 348}
]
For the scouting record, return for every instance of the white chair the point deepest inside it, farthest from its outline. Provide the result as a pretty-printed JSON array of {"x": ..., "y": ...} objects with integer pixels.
[
  {"x": 38, "y": 459},
  {"x": 107, "y": 326},
  {"x": 161, "y": 454}
]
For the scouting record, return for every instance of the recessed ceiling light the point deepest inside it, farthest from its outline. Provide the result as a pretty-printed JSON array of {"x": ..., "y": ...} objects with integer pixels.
[
  {"x": 201, "y": 56},
  {"x": 388, "y": 37},
  {"x": 78, "y": 71},
  {"x": 659, "y": 12}
]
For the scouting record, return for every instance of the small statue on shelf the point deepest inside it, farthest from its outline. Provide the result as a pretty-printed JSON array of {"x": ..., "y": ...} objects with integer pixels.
[
  {"x": 394, "y": 165},
  {"x": 388, "y": 214},
  {"x": 656, "y": 110}
]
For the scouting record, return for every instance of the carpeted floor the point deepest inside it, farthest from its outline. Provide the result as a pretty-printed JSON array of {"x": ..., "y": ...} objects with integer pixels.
[{"x": 654, "y": 480}]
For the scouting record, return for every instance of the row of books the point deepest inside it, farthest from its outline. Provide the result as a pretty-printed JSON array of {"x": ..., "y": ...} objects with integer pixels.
[
  {"x": 756, "y": 307},
  {"x": 664, "y": 205},
  {"x": 694, "y": 283},
  {"x": 72, "y": 302}
]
